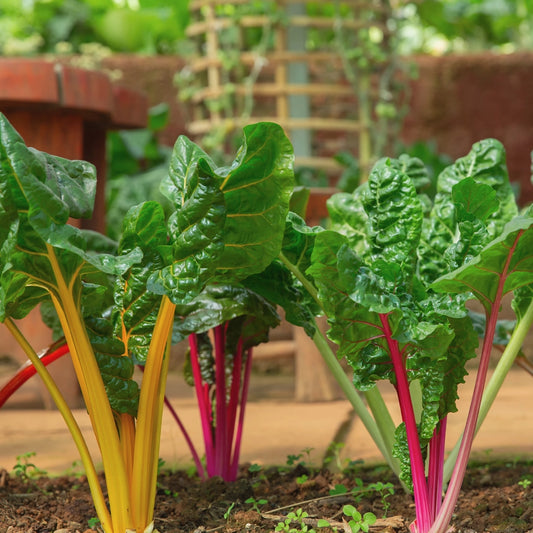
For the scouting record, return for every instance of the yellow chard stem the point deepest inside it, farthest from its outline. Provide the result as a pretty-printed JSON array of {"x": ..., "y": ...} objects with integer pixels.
[
  {"x": 66, "y": 413},
  {"x": 149, "y": 417},
  {"x": 95, "y": 397},
  {"x": 126, "y": 428}
]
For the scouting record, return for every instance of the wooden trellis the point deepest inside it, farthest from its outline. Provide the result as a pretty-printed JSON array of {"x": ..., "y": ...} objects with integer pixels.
[{"x": 306, "y": 91}]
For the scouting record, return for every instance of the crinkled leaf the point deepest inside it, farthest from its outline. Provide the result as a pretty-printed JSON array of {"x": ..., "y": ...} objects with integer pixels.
[
  {"x": 348, "y": 217},
  {"x": 394, "y": 217},
  {"x": 229, "y": 221},
  {"x": 38, "y": 195},
  {"x": 505, "y": 264},
  {"x": 415, "y": 168},
  {"x": 195, "y": 230},
  {"x": 467, "y": 209}
]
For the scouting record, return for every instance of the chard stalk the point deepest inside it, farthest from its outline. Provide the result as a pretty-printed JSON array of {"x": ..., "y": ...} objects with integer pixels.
[
  {"x": 423, "y": 520},
  {"x": 220, "y": 393},
  {"x": 379, "y": 428},
  {"x": 95, "y": 396},
  {"x": 233, "y": 404},
  {"x": 73, "y": 427},
  {"x": 151, "y": 401},
  {"x": 204, "y": 403},
  {"x": 450, "y": 500},
  {"x": 242, "y": 409},
  {"x": 435, "y": 470}
]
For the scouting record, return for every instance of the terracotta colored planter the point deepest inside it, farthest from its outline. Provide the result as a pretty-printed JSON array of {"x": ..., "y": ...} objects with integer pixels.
[{"x": 67, "y": 112}]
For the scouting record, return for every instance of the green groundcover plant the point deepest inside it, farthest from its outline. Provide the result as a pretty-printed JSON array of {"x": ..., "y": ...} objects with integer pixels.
[{"x": 116, "y": 302}]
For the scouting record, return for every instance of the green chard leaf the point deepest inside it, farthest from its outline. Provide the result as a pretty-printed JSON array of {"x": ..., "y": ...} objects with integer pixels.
[
  {"x": 39, "y": 193},
  {"x": 367, "y": 280},
  {"x": 298, "y": 242},
  {"x": 195, "y": 228},
  {"x": 257, "y": 189},
  {"x": 348, "y": 217},
  {"x": 220, "y": 303},
  {"x": 394, "y": 218},
  {"x": 505, "y": 264},
  {"x": 46, "y": 255},
  {"x": 474, "y": 201},
  {"x": 228, "y": 222},
  {"x": 135, "y": 307}
]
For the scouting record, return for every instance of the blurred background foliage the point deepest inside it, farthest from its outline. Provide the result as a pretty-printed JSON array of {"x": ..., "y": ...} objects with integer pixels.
[
  {"x": 89, "y": 30},
  {"x": 29, "y": 27},
  {"x": 48, "y": 26}
]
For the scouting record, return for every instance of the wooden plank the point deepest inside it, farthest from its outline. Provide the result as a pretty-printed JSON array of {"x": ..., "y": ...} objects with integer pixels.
[
  {"x": 273, "y": 89},
  {"x": 326, "y": 124},
  {"x": 198, "y": 64}
]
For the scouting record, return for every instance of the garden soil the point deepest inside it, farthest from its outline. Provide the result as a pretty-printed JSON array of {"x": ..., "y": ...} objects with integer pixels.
[{"x": 496, "y": 493}]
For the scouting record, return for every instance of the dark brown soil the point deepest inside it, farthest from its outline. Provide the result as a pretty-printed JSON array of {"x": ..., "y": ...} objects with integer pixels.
[{"x": 496, "y": 497}]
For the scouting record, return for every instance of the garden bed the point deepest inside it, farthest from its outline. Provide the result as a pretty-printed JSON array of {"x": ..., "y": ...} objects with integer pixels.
[{"x": 496, "y": 497}]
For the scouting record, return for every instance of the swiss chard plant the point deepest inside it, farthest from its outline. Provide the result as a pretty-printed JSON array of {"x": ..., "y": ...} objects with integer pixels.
[
  {"x": 116, "y": 302},
  {"x": 394, "y": 275},
  {"x": 256, "y": 194}
]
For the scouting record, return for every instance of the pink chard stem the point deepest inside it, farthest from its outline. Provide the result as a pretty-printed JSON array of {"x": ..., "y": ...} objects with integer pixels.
[
  {"x": 204, "y": 404},
  {"x": 233, "y": 404},
  {"x": 420, "y": 490},
  {"x": 240, "y": 426},
  {"x": 220, "y": 380},
  {"x": 436, "y": 467},
  {"x": 454, "y": 487}
]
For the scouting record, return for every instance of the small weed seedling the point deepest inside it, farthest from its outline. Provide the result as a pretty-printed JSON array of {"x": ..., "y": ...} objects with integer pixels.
[
  {"x": 228, "y": 511},
  {"x": 27, "y": 472},
  {"x": 385, "y": 490},
  {"x": 298, "y": 517},
  {"x": 256, "y": 503},
  {"x": 254, "y": 468},
  {"x": 257, "y": 474},
  {"x": 357, "y": 521},
  {"x": 93, "y": 523},
  {"x": 525, "y": 483}
]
